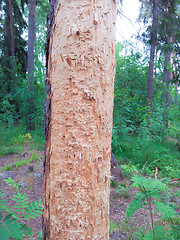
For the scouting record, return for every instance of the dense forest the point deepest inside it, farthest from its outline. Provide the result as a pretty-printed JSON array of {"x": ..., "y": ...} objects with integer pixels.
[{"x": 146, "y": 116}]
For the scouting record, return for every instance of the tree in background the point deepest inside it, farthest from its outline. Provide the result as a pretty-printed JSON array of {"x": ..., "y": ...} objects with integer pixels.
[
  {"x": 79, "y": 105},
  {"x": 30, "y": 123},
  {"x": 13, "y": 59},
  {"x": 164, "y": 24},
  {"x": 15, "y": 85},
  {"x": 153, "y": 43},
  {"x": 168, "y": 36}
]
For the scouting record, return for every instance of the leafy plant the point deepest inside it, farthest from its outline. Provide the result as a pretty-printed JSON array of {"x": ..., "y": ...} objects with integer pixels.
[
  {"x": 10, "y": 217},
  {"x": 113, "y": 227},
  {"x": 151, "y": 193}
]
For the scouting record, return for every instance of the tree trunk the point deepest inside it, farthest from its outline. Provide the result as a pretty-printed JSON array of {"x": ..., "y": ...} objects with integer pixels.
[
  {"x": 30, "y": 124},
  {"x": 12, "y": 49},
  {"x": 175, "y": 78},
  {"x": 166, "y": 79},
  {"x": 11, "y": 29},
  {"x": 78, "y": 119},
  {"x": 176, "y": 94},
  {"x": 152, "y": 53}
]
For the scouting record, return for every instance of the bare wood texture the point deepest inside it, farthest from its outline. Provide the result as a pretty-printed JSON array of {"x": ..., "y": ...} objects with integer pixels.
[{"x": 80, "y": 82}]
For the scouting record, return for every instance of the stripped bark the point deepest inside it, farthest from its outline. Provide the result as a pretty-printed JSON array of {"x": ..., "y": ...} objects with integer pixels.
[{"x": 80, "y": 74}]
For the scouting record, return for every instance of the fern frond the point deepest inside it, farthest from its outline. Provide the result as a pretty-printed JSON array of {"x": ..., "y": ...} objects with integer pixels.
[
  {"x": 10, "y": 227},
  {"x": 11, "y": 182},
  {"x": 166, "y": 211},
  {"x": 33, "y": 210},
  {"x": 135, "y": 204}
]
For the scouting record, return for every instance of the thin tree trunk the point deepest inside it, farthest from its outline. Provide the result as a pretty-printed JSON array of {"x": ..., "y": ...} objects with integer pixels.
[
  {"x": 175, "y": 98},
  {"x": 166, "y": 78},
  {"x": 78, "y": 119},
  {"x": 152, "y": 54},
  {"x": 175, "y": 77},
  {"x": 30, "y": 124},
  {"x": 12, "y": 46},
  {"x": 11, "y": 29}
]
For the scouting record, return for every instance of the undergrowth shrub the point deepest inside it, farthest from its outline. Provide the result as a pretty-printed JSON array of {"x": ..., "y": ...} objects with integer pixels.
[
  {"x": 152, "y": 196},
  {"x": 149, "y": 155}
]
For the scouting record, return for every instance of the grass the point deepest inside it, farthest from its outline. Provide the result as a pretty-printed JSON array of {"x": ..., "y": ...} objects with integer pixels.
[
  {"x": 114, "y": 227},
  {"x": 164, "y": 155},
  {"x": 13, "y": 139},
  {"x": 21, "y": 163}
]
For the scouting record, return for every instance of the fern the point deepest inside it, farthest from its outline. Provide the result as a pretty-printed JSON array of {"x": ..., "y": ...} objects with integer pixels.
[
  {"x": 10, "y": 219},
  {"x": 167, "y": 212},
  {"x": 11, "y": 182},
  {"x": 33, "y": 210},
  {"x": 135, "y": 205},
  {"x": 151, "y": 192},
  {"x": 9, "y": 227}
]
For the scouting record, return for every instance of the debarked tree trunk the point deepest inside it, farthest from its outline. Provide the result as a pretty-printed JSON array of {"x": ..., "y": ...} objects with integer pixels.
[{"x": 78, "y": 119}]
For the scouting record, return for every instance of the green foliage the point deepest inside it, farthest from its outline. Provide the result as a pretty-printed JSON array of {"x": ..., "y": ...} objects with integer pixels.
[
  {"x": 130, "y": 97},
  {"x": 151, "y": 193},
  {"x": 14, "y": 92},
  {"x": 14, "y": 138},
  {"x": 35, "y": 156},
  {"x": 7, "y": 113},
  {"x": 150, "y": 154},
  {"x": 132, "y": 140},
  {"x": 11, "y": 216},
  {"x": 129, "y": 170},
  {"x": 113, "y": 227}
]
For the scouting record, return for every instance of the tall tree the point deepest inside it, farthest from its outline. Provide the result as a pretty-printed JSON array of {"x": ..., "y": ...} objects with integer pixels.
[
  {"x": 79, "y": 105},
  {"x": 30, "y": 124},
  {"x": 11, "y": 29},
  {"x": 152, "y": 52},
  {"x": 168, "y": 37},
  {"x": 13, "y": 58}
]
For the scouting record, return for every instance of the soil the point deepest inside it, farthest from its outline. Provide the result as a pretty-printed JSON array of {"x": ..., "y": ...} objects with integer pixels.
[{"x": 30, "y": 176}]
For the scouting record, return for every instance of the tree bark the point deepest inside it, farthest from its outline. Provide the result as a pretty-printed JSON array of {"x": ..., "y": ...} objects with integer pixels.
[
  {"x": 175, "y": 78},
  {"x": 152, "y": 53},
  {"x": 176, "y": 94},
  {"x": 166, "y": 72},
  {"x": 78, "y": 119},
  {"x": 12, "y": 47},
  {"x": 11, "y": 29},
  {"x": 30, "y": 124}
]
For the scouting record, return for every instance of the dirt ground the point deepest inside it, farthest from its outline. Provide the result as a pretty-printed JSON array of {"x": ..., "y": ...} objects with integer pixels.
[{"x": 30, "y": 177}]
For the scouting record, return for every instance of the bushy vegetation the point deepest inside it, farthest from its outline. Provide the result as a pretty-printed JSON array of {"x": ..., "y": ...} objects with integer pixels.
[
  {"x": 14, "y": 138},
  {"x": 133, "y": 143}
]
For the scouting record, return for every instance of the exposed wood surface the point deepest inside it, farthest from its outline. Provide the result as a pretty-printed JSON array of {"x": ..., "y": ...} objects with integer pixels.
[{"x": 80, "y": 82}]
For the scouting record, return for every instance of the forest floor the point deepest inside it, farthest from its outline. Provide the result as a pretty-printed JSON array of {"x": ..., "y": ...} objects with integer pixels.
[{"x": 30, "y": 178}]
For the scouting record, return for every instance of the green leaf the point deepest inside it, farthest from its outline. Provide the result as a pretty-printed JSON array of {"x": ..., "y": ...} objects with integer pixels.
[
  {"x": 4, "y": 234},
  {"x": 11, "y": 221},
  {"x": 166, "y": 211},
  {"x": 7, "y": 217},
  {"x": 32, "y": 206},
  {"x": 31, "y": 216}
]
